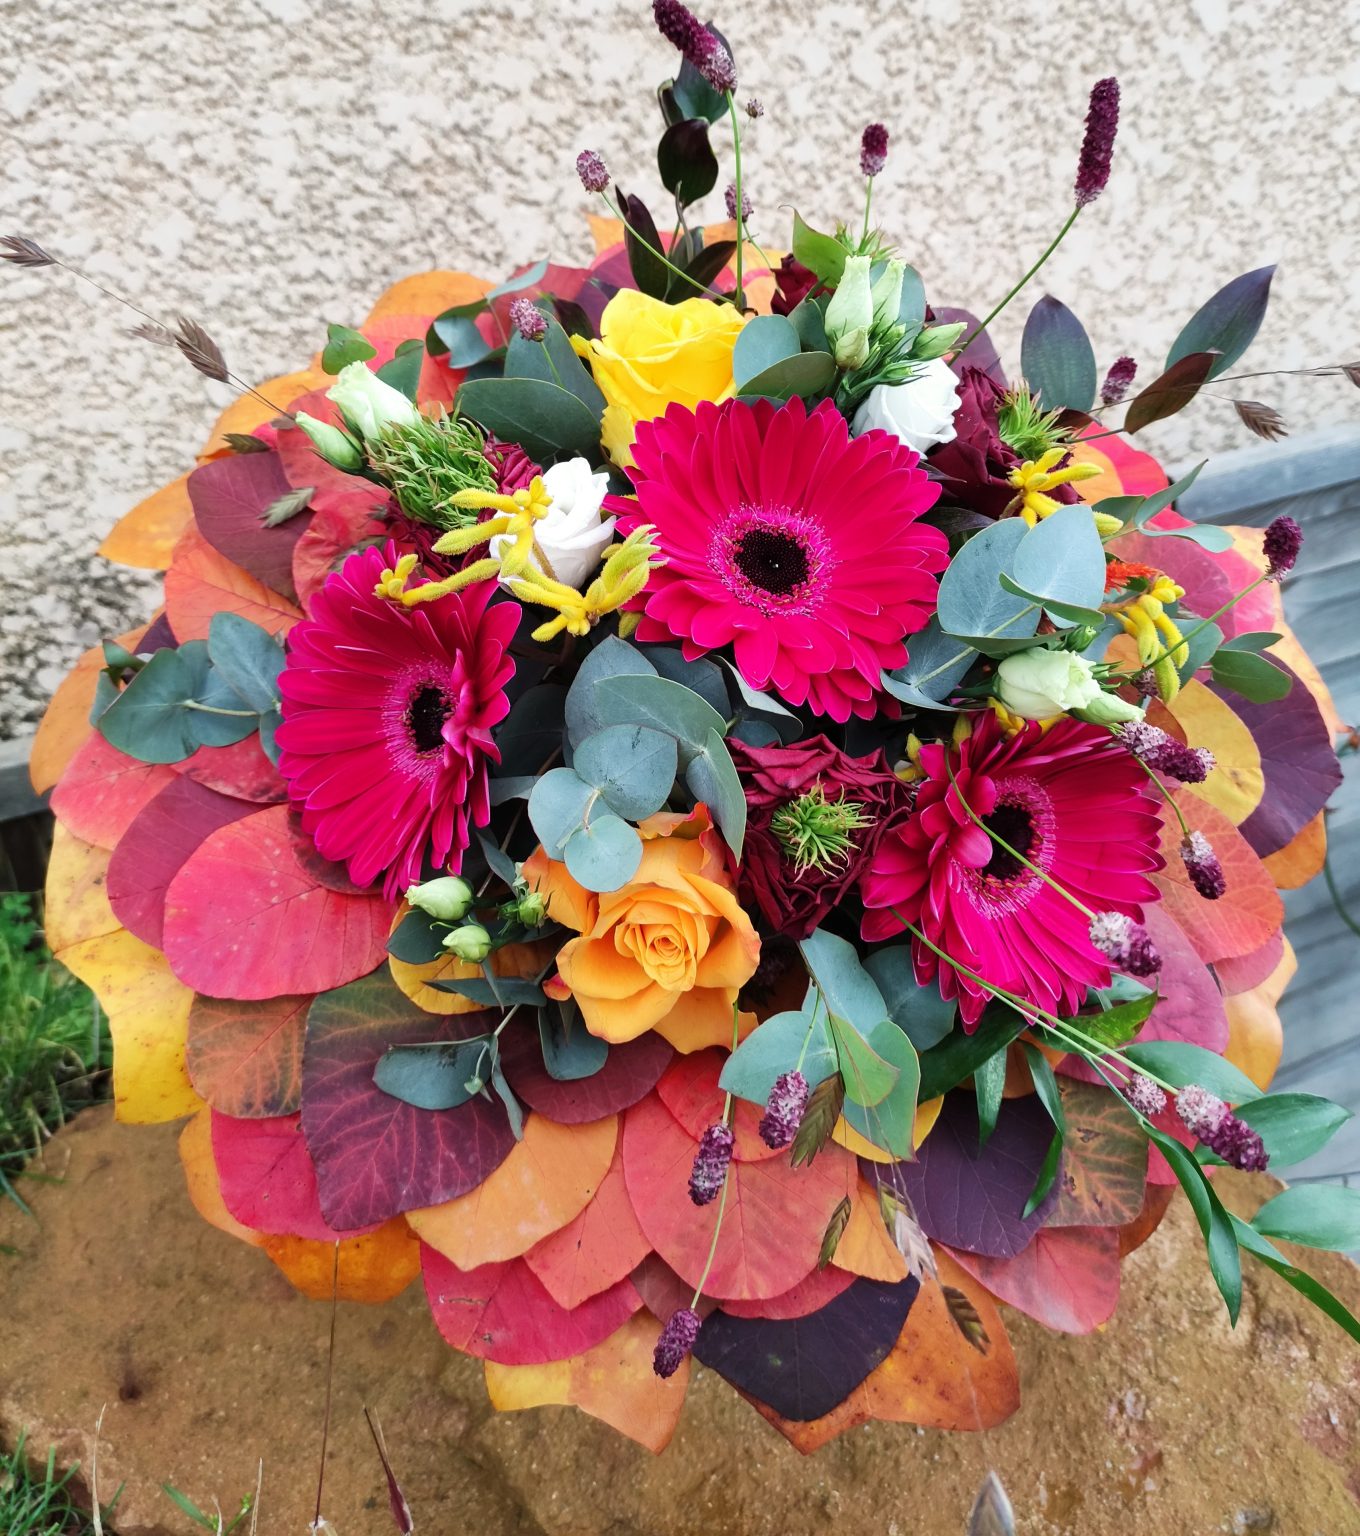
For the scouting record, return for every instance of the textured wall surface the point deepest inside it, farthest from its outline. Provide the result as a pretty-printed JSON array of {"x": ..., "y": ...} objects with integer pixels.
[{"x": 268, "y": 165}]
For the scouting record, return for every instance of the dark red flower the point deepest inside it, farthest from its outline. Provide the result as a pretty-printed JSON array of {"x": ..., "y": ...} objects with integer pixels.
[
  {"x": 792, "y": 900},
  {"x": 793, "y": 282}
]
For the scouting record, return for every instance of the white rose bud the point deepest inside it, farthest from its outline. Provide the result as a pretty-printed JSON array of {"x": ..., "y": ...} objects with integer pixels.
[
  {"x": 370, "y": 404},
  {"x": 1109, "y": 709},
  {"x": 446, "y": 897},
  {"x": 335, "y": 446},
  {"x": 850, "y": 314},
  {"x": 572, "y": 535},
  {"x": 887, "y": 294},
  {"x": 471, "y": 942},
  {"x": 1039, "y": 684},
  {"x": 919, "y": 412}
]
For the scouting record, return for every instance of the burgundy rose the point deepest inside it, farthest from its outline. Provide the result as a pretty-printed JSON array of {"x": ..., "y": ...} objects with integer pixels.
[
  {"x": 814, "y": 817},
  {"x": 793, "y": 283},
  {"x": 972, "y": 469}
]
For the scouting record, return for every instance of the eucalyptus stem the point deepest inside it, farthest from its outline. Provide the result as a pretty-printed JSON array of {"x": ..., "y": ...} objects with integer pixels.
[
  {"x": 213, "y": 709},
  {"x": 1053, "y": 246}
]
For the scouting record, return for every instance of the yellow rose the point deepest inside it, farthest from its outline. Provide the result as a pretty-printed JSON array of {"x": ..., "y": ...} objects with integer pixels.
[
  {"x": 669, "y": 951},
  {"x": 651, "y": 355}
]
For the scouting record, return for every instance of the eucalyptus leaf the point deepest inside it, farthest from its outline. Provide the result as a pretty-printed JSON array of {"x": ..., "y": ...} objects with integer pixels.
[
  {"x": 403, "y": 371},
  {"x": 632, "y": 766},
  {"x": 631, "y": 699},
  {"x": 547, "y": 421},
  {"x": 556, "y": 806},
  {"x": 972, "y": 600},
  {"x": 936, "y": 664},
  {"x": 343, "y": 346},
  {"x": 890, "y": 1124},
  {"x": 846, "y": 986},
  {"x": 868, "y": 1078},
  {"x": 918, "y": 1011},
  {"x": 1061, "y": 560},
  {"x": 805, "y": 375},
  {"x": 572, "y": 1052},
  {"x": 148, "y": 720},
  {"x": 1252, "y": 676},
  {"x": 604, "y": 854},
  {"x": 497, "y": 992},
  {"x": 773, "y": 1048},
  {"x": 712, "y": 779},
  {"x": 440, "y": 1075},
  {"x": 819, "y": 253},
  {"x": 553, "y": 361},
  {"x": 248, "y": 658},
  {"x": 764, "y": 341},
  {"x": 461, "y": 339},
  {"x": 612, "y": 657}
]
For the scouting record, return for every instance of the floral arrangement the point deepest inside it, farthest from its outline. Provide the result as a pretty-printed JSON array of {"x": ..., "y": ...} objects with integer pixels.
[{"x": 679, "y": 802}]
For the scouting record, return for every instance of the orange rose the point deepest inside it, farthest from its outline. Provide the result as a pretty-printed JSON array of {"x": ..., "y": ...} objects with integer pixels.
[{"x": 668, "y": 951}]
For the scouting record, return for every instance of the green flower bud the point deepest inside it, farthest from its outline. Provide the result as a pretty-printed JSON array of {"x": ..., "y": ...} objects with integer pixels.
[
  {"x": 471, "y": 942},
  {"x": 936, "y": 340},
  {"x": 447, "y": 897},
  {"x": 850, "y": 314},
  {"x": 887, "y": 294},
  {"x": 334, "y": 445},
  {"x": 1109, "y": 709},
  {"x": 532, "y": 909}
]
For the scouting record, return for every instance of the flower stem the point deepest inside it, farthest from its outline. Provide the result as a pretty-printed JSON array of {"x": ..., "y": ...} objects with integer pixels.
[
  {"x": 1056, "y": 242},
  {"x": 868, "y": 200},
  {"x": 661, "y": 256},
  {"x": 738, "y": 298},
  {"x": 727, "y": 1179},
  {"x": 1203, "y": 624},
  {"x": 213, "y": 709}
]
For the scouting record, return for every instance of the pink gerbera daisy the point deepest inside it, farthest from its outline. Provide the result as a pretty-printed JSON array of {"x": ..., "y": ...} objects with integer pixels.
[
  {"x": 788, "y": 540},
  {"x": 1074, "y": 803},
  {"x": 387, "y": 718}
]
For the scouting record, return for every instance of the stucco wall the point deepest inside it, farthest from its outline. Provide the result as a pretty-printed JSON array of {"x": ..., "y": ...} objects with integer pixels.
[{"x": 267, "y": 165}]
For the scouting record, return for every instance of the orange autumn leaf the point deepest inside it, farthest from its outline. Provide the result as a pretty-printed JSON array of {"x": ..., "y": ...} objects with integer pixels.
[
  {"x": 1237, "y": 781},
  {"x": 1247, "y": 913},
  {"x": 597, "y": 1249},
  {"x": 547, "y": 1180},
  {"x": 1301, "y": 858},
  {"x": 65, "y": 725},
  {"x": 932, "y": 1376},
  {"x": 145, "y": 538},
  {"x": 247, "y": 411},
  {"x": 1255, "y": 1036},
  {"x": 427, "y": 293},
  {"x": 202, "y": 583},
  {"x": 866, "y": 1248},
  {"x": 613, "y": 1382},
  {"x": 373, "y": 1268},
  {"x": 205, "y": 1188}
]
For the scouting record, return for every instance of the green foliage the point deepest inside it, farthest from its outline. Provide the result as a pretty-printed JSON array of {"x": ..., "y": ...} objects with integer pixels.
[
  {"x": 1058, "y": 362},
  {"x": 427, "y": 462},
  {"x": 1025, "y": 426},
  {"x": 343, "y": 346},
  {"x": 39, "y": 1503},
  {"x": 54, "y": 1044},
  {"x": 1252, "y": 676},
  {"x": 549, "y": 422}
]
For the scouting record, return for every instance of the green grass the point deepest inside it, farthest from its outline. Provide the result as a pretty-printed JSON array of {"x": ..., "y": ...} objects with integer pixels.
[
  {"x": 54, "y": 1043},
  {"x": 38, "y": 1505}
]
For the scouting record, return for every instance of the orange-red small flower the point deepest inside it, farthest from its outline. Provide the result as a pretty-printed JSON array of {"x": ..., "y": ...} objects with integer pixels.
[{"x": 668, "y": 951}]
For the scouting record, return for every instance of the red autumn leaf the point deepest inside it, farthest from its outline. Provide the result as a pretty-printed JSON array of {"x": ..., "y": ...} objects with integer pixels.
[
  {"x": 1247, "y": 913},
  {"x": 811, "y": 1293},
  {"x": 502, "y": 1312},
  {"x": 230, "y": 497},
  {"x": 375, "y": 1155},
  {"x": 241, "y": 770},
  {"x": 332, "y": 536},
  {"x": 772, "y": 1231},
  {"x": 243, "y": 918},
  {"x": 689, "y": 1089},
  {"x": 103, "y": 789},
  {"x": 245, "y": 1058},
  {"x": 1067, "y": 1279},
  {"x": 1244, "y": 972},
  {"x": 630, "y": 1072},
  {"x": 268, "y": 1182},
  {"x": 663, "y": 1291},
  {"x": 599, "y": 1248},
  {"x": 165, "y": 834},
  {"x": 202, "y": 583},
  {"x": 332, "y": 489}
]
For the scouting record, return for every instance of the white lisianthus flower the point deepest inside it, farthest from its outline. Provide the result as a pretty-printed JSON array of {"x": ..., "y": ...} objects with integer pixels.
[
  {"x": 572, "y": 535},
  {"x": 1040, "y": 683},
  {"x": 370, "y": 404},
  {"x": 919, "y": 412}
]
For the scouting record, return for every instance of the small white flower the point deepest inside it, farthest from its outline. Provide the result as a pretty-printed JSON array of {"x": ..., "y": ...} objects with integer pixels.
[
  {"x": 446, "y": 896},
  {"x": 919, "y": 412},
  {"x": 370, "y": 404},
  {"x": 572, "y": 535}
]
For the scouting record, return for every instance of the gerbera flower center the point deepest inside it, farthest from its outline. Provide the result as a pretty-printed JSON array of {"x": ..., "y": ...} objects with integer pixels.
[
  {"x": 772, "y": 559},
  {"x": 1013, "y": 824},
  {"x": 429, "y": 708}
]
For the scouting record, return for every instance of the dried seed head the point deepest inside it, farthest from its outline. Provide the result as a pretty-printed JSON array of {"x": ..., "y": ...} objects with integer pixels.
[
  {"x": 528, "y": 319},
  {"x": 784, "y": 1109},
  {"x": 1144, "y": 1095},
  {"x": 1127, "y": 945},
  {"x": 730, "y": 200}
]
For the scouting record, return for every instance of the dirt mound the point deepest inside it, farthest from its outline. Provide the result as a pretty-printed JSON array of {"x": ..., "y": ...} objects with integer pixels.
[{"x": 116, "y": 1293}]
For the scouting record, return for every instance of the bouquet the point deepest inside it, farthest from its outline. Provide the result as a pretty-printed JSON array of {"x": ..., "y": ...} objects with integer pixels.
[{"x": 684, "y": 805}]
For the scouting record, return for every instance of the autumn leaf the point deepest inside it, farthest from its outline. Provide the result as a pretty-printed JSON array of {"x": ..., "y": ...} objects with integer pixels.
[
  {"x": 601, "y": 1246},
  {"x": 201, "y": 583},
  {"x": 145, "y": 538},
  {"x": 102, "y": 790}
]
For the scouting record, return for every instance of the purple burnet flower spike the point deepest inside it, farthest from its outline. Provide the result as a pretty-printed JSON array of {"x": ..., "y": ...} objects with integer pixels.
[
  {"x": 1144, "y": 1095},
  {"x": 1210, "y": 1121},
  {"x": 676, "y": 1342},
  {"x": 1162, "y": 752},
  {"x": 1127, "y": 945},
  {"x": 528, "y": 319},
  {"x": 710, "y": 1163},
  {"x": 730, "y": 200},
  {"x": 873, "y": 149},
  {"x": 1118, "y": 380},
  {"x": 1203, "y": 866},
  {"x": 1283, "y": 540},
  {"x": 755, "y": 108},
  {"x": 784, "y": 1109},
  {"x": 1097, "y": 148},
  {"x": 592, "y": 170},
  {"x": 704, "y": 51}
]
